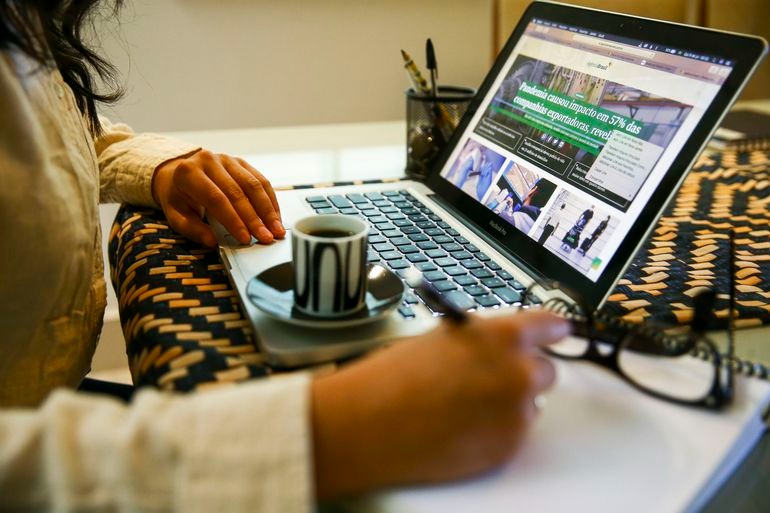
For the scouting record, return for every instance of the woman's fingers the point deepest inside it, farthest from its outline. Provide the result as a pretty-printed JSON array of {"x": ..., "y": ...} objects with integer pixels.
[{"x": 230, "y": 191}]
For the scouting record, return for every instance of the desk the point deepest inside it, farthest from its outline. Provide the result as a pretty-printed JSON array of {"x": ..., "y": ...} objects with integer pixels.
[{"x": 212, "y": 344}]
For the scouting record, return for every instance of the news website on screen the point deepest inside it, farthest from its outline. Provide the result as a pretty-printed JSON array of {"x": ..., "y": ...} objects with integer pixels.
[{"x": 576, "y": 133}]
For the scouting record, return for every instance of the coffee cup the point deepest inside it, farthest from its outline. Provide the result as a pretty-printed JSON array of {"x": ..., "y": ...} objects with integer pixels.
[{"x": 329, "y": 253}]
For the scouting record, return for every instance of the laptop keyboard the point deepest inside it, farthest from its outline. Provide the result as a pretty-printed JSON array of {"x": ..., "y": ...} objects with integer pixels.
[{"x": 406, "y": 233}]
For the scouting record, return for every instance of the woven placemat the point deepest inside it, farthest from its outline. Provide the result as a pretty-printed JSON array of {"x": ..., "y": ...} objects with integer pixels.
[
  {"x": 184, "y": 328},
  {"x": 689, "y": 247}
]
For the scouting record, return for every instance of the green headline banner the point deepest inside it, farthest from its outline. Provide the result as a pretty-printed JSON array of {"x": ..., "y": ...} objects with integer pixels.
[{"x": 577, "y": 122}]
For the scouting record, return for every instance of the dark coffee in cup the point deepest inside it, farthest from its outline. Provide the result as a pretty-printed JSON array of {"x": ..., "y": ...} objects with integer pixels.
[{"x": 330, "y": 234}]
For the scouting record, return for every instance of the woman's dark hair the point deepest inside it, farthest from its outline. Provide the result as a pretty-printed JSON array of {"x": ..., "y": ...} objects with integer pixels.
[{"x": 52, "y": 33}]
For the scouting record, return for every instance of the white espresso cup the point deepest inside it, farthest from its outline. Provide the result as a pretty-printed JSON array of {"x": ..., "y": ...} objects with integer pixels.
[{"x": 329, "y": 254}]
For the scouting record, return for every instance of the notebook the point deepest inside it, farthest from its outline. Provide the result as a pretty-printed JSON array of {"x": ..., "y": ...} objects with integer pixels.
[
  {"x": 601, "y": 446},
  {"x": 581, "y": 132},
  {"x": 743, "y": 129}
]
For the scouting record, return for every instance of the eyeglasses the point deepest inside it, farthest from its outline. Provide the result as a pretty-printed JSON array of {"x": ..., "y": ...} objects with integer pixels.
[{"x": 685, "y": 368}]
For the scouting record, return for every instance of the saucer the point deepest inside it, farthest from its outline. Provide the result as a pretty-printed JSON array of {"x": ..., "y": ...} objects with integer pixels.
[{"x": 272, "y": 291}]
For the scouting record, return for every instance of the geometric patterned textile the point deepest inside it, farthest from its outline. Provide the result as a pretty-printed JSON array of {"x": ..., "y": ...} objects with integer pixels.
[
  {"x": 689, "y": 247},
  {"x": 184, "y": 328},
  {"x": 181, "y": 319}
]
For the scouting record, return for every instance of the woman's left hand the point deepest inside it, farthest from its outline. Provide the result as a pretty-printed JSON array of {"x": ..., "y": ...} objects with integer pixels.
[{"x": 227, "y": 189}]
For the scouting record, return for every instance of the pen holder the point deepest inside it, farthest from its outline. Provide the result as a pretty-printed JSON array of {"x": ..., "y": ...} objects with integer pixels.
[{"x": 430, "y": 122}]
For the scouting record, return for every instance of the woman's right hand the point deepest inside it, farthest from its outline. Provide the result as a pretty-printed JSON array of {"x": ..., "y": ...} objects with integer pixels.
[{"x": 454, "y": 402}]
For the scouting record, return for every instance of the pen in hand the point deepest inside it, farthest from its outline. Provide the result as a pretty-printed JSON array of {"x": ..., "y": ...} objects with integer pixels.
[{"x": 433, "y": 298}]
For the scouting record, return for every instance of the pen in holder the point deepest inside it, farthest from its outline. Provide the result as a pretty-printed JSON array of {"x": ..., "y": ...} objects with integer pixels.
[{"x": 430, "y": 122}]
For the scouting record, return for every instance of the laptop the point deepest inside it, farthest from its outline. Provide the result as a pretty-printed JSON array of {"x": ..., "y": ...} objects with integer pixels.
[{"x": 580, "y": 134}]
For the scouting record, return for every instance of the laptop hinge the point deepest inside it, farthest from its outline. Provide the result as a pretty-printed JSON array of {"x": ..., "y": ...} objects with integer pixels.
[{"x": 533, "y": 273}]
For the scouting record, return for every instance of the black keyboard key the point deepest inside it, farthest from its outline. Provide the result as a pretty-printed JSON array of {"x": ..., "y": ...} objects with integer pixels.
[
  {"x": 374, "y": 196},
  {"x": 418, "y": 219},
  {"x": 444, "y": 225},
  {"x": 465, "y": 280},
  {"x": 482, "y": 256},
  {"x": 410, "y": 298},
  {"x": 386, "y": 226},
  {"x": 381, "y": 203},
  {"x": 443, "y": 239},
  {"x": 409, "y": 230},
  {"x": 471, "y": 248},
  {"x": 462, "y": 255},
  {"x": 426, "y": 225},
  {"x": 452, "y": 246},
  {"x": 400, "y": 203},
  {"x": 510, "y": 296},
  {"x": 462, "y": 240},
  {"x": 384, "y": 246},
  {"x": 505, "y": 275},
  {"x": 445, "y": 262},
  {"x": 316, "y": 199},
  {"x": 400, "y": 241},
  {"x": 444, "y": 286},
  {"x": 320, "y": 204},
  {"x": 398, "y": 264},
  {"x": 376, "y": 239},
  {"x": 418, "y": 237},
  {"x": 460, "y": 299},
  {"x": 426, "y": 266},
  {"x": 482, "y": 273},
  {"x": 390, "y": 194},
  {"x": 532, "y": 299},
  {"x": 428, "y": 244},
  {"x": 433, "y": 253},
  {"x": 349, "y": 211},
  {"x": 408, "y": 249},
  {"x": 487, "y": 301},
  {"x": 471, "y": 264},
  {"x": 475, "y": 290},
  {"x": 395, "y": 216},
  {"x": 378, "y": 220},
  {"x": 390, "y": 255},
  {"x": 406, "y": 312},
  {"x": 357, "y": 198},
  {"x": 340, "y": 201},
  {"x": 493, "y": 265},
  {"x": 416, "y": 257},
  {"x": 389, "y": 210},
  {"x": 453, "y": 232},
  {"x": 517, "y": 285},
  {"x": 411, "y": 211},
  {"x": 454, "y": 271},
  {"x": 390, "y": 233},
  {"x": 434, "y": 218},
  {"x": 370, "y": 212},
  {"x": 326, "y": 210},
  {"x": 404, "y": 223},
  {"x": 493, "y": 283},
  {"x": 434, "y": 276},
  {"x": 372, "y": 256},
  {"x": 433, "y": 232}
]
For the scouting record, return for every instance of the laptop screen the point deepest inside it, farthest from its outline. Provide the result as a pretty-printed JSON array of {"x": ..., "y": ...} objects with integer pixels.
[{"x": 577, "y": 132}]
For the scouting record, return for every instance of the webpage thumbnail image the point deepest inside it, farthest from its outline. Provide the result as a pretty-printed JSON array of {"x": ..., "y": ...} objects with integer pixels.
[
  {"x": 475, "y": 169},
  {"x": 519, "y": 196},
  {"x": 600, "y": 136},
  {"x": 576, "y": 230}
]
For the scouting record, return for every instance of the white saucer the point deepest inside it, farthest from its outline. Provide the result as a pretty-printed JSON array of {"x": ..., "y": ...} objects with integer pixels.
[{"x": 272, "y": 291}]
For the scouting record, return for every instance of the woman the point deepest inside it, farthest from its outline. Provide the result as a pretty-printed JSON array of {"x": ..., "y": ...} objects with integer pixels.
[{"x": 434, "y": 408}]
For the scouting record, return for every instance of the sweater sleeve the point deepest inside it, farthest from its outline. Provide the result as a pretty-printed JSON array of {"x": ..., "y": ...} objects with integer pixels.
[
  {"x": 235, "y": 449},
  {"x": 128, "y": 160}
]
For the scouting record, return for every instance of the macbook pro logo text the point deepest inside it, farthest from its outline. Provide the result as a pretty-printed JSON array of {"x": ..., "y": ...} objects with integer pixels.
[{"x": 498, "y": 228}]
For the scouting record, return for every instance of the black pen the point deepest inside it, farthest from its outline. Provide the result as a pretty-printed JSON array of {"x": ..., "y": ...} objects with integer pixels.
[
  {"x": 434, "y": 299},
  {"x": 430, "y": 58}
]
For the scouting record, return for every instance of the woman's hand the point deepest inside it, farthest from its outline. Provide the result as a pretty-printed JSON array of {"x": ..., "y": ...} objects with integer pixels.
[
  {"x": 449, "y": 404},
  {"x": 227, "y": 189}
]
